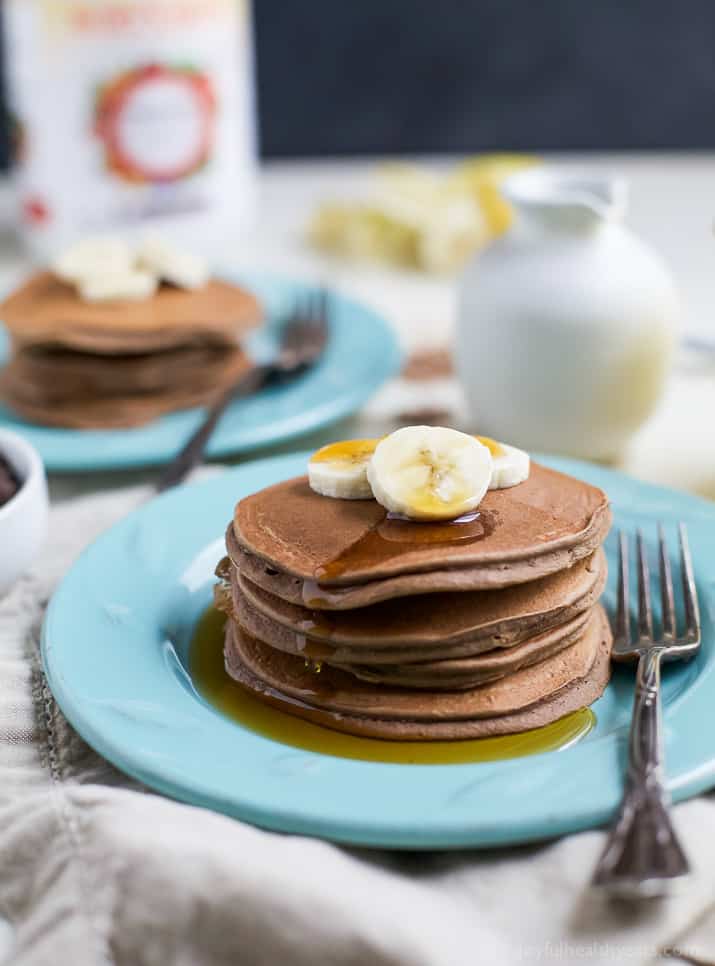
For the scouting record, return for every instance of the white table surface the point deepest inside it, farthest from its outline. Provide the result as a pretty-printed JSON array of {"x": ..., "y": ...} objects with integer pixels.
[{"x": 672, "y": 206}]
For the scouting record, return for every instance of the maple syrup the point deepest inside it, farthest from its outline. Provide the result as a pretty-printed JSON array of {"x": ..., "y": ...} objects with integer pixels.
[
  {"x": 206, "y": 666},
  {"x": 496, "y": 449},
  {"x": 391, "y": 537},
  {"x": 351, "y": 450}
]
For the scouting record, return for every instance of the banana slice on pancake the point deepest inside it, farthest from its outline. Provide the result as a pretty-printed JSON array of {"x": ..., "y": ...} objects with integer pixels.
[
  {"x": 510, "y": 465},
  {"x": 171, "y": 264},
  {"x": 110, "y": 269},
  {"x": 434, "y": 461},
  {"x": 93, "y": 258},
  {"x": 430, "y": 472},
  {"x": 132, "y": 284},
  {"x": 340, "y": 469}
]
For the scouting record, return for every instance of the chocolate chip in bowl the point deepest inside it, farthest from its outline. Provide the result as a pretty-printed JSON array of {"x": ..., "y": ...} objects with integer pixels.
[
  {"x": 9, "y": 483},
  {"x": 23, "y": 507}
]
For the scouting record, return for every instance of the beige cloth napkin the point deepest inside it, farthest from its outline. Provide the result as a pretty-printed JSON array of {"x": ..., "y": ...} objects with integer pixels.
[{"x": 95, "y": 870}]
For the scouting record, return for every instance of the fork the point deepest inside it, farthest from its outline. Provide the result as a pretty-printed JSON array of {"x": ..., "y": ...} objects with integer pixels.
[
  {"x": 643, "y": 857},
  {"x": 302, "y": 341}
]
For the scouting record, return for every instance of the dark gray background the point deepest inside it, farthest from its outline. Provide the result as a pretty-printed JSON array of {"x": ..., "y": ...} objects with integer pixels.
[{"x": 390, "y": 76}]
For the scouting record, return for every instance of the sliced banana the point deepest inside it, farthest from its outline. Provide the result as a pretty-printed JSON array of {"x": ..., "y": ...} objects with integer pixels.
[
  {"x": 510, "y": 465},
  {"x": 128, "y": 285},
  {"x": 93, "y": 257},
  {"x": 183, "y": 269},
  {"x": 430, "y": 472},
  {"x": 340, "y": 469}
]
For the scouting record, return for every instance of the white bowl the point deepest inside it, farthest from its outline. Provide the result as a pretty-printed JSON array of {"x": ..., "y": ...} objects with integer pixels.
[{"x": 23, "y": 519}]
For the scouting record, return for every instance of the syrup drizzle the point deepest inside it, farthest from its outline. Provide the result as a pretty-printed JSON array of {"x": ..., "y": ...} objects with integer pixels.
[
  {"x": 210, "y": 679},
  {"x": 388, "y": 538}
]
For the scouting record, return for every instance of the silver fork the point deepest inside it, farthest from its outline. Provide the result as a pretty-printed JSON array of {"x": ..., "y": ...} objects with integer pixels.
[
  {"x": 302, "y": 341},
  {"x": 643, "y": 857}
]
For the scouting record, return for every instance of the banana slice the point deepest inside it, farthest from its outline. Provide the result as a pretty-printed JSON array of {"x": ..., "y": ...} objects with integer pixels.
[
  {"x": 340, "y": 469},
  {"x": 430, "y": 472},
  {"x": 129, "y": 285},
  {"x": 91, "y": 258},
  {"x": 183, "y": 269},
  {"x": 510, "y": 465}
]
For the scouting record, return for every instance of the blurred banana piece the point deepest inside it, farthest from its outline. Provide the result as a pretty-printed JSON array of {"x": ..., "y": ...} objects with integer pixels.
[
  {"x": 131, "y": 285},
  {"x": 170, "y": 264},
  {"x": 481, "y": 178},
  {"x": 411, "y": 217},
  {"x": 108, "y": 269},
  {"x": 91, "y": 257},
  {"x": 416, "y": 218}
]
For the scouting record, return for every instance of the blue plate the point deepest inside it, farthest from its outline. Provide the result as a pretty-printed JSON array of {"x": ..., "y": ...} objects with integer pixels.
[
  {"x": 361, "y": 354},
  {"x": 115, "y": 648}
]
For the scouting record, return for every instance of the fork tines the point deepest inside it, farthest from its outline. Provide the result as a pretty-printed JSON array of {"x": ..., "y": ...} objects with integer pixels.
[
  {"x": 646, "y": 634},
  {"x": 307, "y": 324}
]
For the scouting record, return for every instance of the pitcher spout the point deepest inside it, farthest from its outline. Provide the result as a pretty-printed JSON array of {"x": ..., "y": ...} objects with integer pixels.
[{"x": 561, "y": 199}]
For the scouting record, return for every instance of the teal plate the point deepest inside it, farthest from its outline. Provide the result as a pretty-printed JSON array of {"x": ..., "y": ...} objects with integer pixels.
[
  {"x": 115, "y": 650},
  {"x": 361, "y": 354}
]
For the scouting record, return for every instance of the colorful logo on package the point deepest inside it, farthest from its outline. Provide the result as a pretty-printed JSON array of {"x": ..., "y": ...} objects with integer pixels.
[{"x": 157, "y": 123}]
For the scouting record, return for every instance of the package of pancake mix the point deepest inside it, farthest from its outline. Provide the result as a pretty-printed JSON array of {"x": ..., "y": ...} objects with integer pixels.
[{"x": 131, "y": 115}]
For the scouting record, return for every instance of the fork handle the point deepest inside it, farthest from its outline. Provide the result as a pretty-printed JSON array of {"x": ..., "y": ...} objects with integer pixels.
[
  {"x": 643, "y": 856},
  {"x": 192, "y": 453}
]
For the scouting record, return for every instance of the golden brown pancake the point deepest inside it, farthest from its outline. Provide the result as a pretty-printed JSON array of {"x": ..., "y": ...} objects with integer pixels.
[
  {"x": 119, "y": 364},
  {"x": 57, "y": 374},
  {"x": 132, "y": 394},
  {"x": 48, "y": 312},
  {"x": 336, "y": 690},
  {"x": 447, "y": 625},
  {"x": 416, "y": 669},
  {"x": 348, "y": 554},
  {"x": 469, "y": 672},
  {"x": 542, "y": 526},
  {"x": 530, "y": 698},
  {"x": 412, "y": 668},
  {"x": 390, "y": 628}
]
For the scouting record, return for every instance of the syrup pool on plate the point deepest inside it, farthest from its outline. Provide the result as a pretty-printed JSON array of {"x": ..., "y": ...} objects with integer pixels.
[{"x": 210, "y": 679}]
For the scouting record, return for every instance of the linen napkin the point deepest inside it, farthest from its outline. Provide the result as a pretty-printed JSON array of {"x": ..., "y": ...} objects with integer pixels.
[{"x": 96, "y": 870}]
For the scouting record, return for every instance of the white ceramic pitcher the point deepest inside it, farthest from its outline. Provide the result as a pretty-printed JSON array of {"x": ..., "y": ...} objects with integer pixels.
[{"x": 566, "y": 324}]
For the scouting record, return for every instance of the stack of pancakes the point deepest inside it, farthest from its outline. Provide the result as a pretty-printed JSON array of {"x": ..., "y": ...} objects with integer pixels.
[
  {"x": 396, "y": 629},
  {"x": 112, "y": 364}
]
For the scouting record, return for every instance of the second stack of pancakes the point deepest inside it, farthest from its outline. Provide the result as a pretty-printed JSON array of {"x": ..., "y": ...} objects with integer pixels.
[
  {"x": 395, "y": 629},
  {"x": 87, "y": 365}
]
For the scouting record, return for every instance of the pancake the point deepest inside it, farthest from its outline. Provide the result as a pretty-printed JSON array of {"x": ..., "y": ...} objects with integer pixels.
[
  {"x": 528, "y": 699},
  {"x": 343, "y": 614},
  {"x": 109, "y": 365},
  {"x": 469, "y": 672},
  {"x": 417, "y": 666},
  {"x": 48, "y": 312},
  {"x": 313, "y": 596},
  {"x": 114, "y": 411},
  {"x": 282, "y": 638},
  {"x": 43, "y": 375},
  {"x": 412, "y": 669},
  {"x": 347, "y": 553},
  {"x": 446, "y": 625},
  {"x": 336, "y": 690}
]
